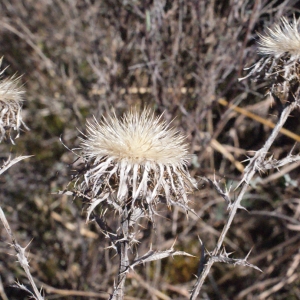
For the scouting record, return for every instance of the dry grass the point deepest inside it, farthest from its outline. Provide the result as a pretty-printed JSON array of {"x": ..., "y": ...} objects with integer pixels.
[{"x": 83, "y": 58}]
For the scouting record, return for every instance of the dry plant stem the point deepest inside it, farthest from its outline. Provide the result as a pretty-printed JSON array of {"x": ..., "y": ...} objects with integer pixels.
[
  {"x": 123, "y": 248},
  {"x": 2, "y": 292},
  {"x": 253, "y": 166},
  {"x": 10, "y": 162},
  {"x": 22, "y": 259}
]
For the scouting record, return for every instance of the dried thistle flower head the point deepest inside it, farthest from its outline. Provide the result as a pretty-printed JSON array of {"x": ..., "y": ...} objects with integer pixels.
[
  {"x": 283, "y": 39},
  {"x": 10, "y": 106},
  {"x": 135, "y": 161},
  {"x": 280, "y": 63}
]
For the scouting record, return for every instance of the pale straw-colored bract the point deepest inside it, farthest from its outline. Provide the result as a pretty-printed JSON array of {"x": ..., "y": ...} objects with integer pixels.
[
  {"x": 10, "y": 106},
  {"x": 283, "y": 39},
  {"x": 135, "y": 160},
  {"x": 280, "y": 64}
]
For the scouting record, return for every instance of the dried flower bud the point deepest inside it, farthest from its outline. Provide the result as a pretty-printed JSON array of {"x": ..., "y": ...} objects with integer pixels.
[
  {"x": 135, "y": 161},
  {"x": 280, "y": 63},
  {"x": 10, "y": 106},
  {"x": 283, "y": 39}
]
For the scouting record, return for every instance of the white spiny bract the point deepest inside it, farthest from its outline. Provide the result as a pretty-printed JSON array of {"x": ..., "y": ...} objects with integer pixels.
[
  {"x": 283, "y": 39},
  {"x": 135, "y": 160},
  {"x": 280, "y": 64},
  {"x": 10, "y": 106}
]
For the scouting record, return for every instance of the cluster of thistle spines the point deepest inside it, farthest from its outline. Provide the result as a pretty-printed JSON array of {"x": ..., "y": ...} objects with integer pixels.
[
  {"x": 136, "y": 159},
  {"x": 140, "y": 184},
  {"x": 283, "y": 39},
  {"x": 10, "y": 106},
  {"x": 280, "y": 64},
  {"x": 136, "y": 137}
]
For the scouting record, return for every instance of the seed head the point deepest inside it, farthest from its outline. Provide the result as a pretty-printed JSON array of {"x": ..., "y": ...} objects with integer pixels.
[
  {"x": 137, "y": 161},
  {"x": 280, "y": 64},
  {"x": 283, "y": 39},
  {"x": 10, "y": 106}
]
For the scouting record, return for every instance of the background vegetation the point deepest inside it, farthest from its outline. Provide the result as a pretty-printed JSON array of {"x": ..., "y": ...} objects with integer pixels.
[{"x": 83, "y": 58}]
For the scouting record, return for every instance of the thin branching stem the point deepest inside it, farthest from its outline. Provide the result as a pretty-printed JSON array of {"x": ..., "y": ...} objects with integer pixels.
[
  {"x": 22, "y": 259},
  {"x": 250, "y": 170},
  {"x": 123, "y": 248}
]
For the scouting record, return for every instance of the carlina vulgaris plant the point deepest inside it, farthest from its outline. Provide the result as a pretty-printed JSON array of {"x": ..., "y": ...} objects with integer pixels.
[
  {"x": 279, "y": 71},
  {"x": 10, "y": 118},
  {"x": 130, "y": 165},
  {"x": 279, "y": 66},
  {"x": 11, "y": 101}
]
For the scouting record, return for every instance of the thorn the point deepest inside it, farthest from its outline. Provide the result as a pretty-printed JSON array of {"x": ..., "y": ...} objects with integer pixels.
[
  {"x": 243, "y": 208},
  {"x": 248, "y": 159},
  {"x": 240, "y": 183},
  {"x": 28, "y": 244},
  {"x": 172, "y": 247},
  {"x": 246, "y": 258},
  {"x": 200, "y": 240},
  {"x": 290, "y": 153}
]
